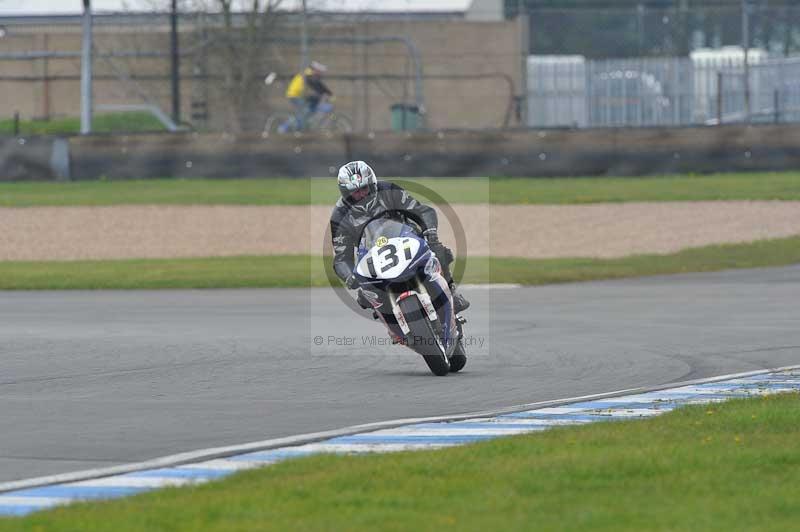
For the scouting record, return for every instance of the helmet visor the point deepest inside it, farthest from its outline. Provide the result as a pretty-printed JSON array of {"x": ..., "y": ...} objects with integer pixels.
[{"x": 359, "y": 194}]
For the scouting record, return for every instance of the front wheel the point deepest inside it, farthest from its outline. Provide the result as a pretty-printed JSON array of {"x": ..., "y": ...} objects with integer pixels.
[
  {"x": 422, "y": 338},
  {"x": 336, "y": 123},
  {"x": 459, "y": 358}
]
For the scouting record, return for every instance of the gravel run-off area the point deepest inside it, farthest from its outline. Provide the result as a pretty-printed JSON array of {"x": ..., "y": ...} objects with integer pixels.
[{"x": 532, "y": 231}]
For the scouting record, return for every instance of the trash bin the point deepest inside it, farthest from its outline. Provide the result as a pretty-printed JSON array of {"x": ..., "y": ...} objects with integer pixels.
[{"x": 405, "y": 117}]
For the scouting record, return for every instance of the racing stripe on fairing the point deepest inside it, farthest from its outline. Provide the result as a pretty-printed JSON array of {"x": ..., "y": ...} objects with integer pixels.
[{"x": 414, "y": 436}]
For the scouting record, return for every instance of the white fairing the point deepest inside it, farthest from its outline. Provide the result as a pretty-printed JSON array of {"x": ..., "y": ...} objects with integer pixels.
[
  {"x": 389, "y": 260},
  {"x": 401, "y": 319},
  {"x": 427, "y": 304}
]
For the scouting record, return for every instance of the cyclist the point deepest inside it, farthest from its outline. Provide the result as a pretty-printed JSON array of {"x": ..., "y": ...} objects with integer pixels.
[{"x": 305, "y": 92}]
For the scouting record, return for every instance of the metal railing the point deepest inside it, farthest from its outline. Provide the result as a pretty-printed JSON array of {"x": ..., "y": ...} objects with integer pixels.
[{"x": 569, "y": 91}]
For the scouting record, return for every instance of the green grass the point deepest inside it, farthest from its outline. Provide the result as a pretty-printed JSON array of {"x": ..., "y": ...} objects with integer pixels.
[
  {"x": 753, "y": 186},
  {"x": 128, "y": 122},
  {"x": 166, "y": 192},
  {"x": 763, "y": 253},
  {"x": 302, "y": 271},
  {"x": 216, "y": 272},
  {"x": 731, "y": 466}
]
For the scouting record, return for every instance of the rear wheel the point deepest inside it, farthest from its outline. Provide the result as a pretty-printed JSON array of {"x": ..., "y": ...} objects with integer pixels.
[
  {"x": 422, "y": 338},
  {"x": 275, "y": 121}
]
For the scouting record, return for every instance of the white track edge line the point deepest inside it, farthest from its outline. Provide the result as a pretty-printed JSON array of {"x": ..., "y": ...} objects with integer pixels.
[{"x": 293, "y": 441}]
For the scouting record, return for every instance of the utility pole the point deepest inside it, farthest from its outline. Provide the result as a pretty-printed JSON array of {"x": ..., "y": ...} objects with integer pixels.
[
  {"x": 176, "y": 65},
  {"x": 746, "y": 49},
  {"x": 524, "y": 25},
  {"x": 683, "y": 46},
  {"x": 304, "y": 36},
  {"x": 86, "y": 70},
  {"x": 640, "y": 27}
]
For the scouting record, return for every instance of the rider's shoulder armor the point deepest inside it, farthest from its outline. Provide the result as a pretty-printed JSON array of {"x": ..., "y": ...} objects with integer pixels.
[
  {"x": 340, "y": 211},
  {"x": 387, "y": 187}
]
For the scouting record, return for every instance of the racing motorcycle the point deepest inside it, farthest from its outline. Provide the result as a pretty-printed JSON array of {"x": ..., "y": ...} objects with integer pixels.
[{"x": 401, "y": 279}]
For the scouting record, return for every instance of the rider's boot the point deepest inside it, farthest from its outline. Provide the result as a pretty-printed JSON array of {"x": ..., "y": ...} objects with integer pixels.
[{"x": 460, "y": 303}]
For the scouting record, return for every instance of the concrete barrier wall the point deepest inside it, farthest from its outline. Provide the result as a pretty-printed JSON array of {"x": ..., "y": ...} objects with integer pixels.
[
  {"x": 34, "y": 159},
  {"x": 546, "y": 153},
  {"x": 551, "y": 153},
  {"x": 211, "y": 155}
]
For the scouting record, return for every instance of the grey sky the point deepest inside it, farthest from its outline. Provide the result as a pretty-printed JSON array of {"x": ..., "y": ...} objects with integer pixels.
[{"x": 44, "y": 7}]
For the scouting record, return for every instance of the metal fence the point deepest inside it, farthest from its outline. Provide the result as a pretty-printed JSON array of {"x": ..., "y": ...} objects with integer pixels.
[
  {"x": 603, "y": 29},
  {"x": 706, "y": 88},
  {"x": 377, "y": 63}
]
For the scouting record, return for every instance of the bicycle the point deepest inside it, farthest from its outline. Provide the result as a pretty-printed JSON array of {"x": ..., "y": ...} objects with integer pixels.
[{"x": 324, "y": 118}]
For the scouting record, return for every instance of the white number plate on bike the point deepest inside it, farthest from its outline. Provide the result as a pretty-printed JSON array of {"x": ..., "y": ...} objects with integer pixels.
[{"x": 389, "y": 260}]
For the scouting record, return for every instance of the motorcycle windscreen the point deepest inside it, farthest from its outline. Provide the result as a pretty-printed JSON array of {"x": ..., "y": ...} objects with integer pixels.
[
  {"x": 378, "y": 231},
  {"x": 391, "y": 259}
]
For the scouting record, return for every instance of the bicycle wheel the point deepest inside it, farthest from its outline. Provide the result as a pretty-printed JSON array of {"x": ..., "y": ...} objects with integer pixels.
[
  {"x": 337, "y": 123},
  {"x": 276, "y": 120}
]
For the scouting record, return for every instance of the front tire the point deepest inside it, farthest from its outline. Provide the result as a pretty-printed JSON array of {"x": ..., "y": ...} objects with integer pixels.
[
  {"x": 422, "y": 338},
  {"x": 459, "y": 358},
  {"x": 337, "y": 123},
  {"x": 343, "y": 124}
]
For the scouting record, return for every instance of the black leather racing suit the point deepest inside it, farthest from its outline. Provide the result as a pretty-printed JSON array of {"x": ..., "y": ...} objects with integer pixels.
[{"x": 348, "y": 220}]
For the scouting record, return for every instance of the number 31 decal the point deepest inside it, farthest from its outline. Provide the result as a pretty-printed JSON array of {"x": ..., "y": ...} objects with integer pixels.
[{"x": 388, "y": 260}]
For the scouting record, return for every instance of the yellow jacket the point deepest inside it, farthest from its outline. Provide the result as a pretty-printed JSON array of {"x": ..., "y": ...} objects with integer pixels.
[{"x": 297, "y": 87}]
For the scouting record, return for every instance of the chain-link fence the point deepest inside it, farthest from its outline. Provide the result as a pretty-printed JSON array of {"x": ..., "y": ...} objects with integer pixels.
[
  {"x": 594, "y": 63},
  {"x": 601, "y": 63},
  {"x": 429, "y": 65},
  {"x": 705, "y": 89},
  {"x": 602, "y": 29}
]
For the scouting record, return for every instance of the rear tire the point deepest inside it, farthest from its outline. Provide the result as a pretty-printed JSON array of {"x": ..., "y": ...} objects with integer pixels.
[
  {"x": 275, "y": 121},
  {"x": 422, "y": 338}
]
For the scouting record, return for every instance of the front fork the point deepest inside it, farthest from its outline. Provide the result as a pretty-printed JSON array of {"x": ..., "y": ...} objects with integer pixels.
[
  {"x": 422, "y": 294},
  {"x": 425, "y": 300}
]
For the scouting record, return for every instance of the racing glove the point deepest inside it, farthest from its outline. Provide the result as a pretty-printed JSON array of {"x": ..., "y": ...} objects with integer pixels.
[
  {"x": 431, "y": 236},
  {"x": 351, "y": 282},
  {"x": 442, "y": 253}
]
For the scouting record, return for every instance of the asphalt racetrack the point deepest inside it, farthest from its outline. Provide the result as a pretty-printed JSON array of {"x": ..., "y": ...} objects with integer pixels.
[{"x": 90, "y": 379}]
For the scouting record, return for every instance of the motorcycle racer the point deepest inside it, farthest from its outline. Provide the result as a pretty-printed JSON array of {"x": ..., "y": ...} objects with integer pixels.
[{"x": 364, "y": 198}]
